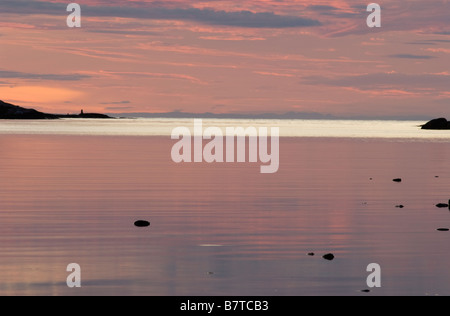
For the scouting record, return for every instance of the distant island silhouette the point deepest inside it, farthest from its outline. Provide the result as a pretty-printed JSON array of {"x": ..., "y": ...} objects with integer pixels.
[
  {"x": 267, "y": 116},
  {"x": 13, "y": 112},
  {"x": 437, "y": 124}
]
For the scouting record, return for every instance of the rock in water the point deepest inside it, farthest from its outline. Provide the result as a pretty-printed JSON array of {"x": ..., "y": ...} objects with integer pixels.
[
  {"x": 442, "y": 205},
  {"x": 328, "y": 257},
  {"x": 397, "y": 180},
  {"x": 141, "y": 223},
  {"x": 400, "y": 206},
  {"x": 440, "y": 123},
  {"x": 443, "y": 229},
  {"x": 311, "y": 254}
]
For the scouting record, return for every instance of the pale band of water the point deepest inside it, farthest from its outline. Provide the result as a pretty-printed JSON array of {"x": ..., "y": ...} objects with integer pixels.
[{"x": 288, "y": 128}]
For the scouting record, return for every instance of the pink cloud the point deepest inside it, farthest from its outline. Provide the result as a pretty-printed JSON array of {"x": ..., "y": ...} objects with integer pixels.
[{"x": 439, "y": 50}]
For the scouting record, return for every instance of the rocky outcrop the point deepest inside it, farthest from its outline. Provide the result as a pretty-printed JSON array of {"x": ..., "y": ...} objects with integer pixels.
[
  {"x": 13, "y": 112},
  {"x": 438, "y": 124}
]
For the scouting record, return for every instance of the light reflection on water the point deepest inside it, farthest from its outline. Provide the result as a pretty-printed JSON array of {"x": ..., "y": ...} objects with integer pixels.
[
  {"x": 288, "y": 128},
  {"x": 221, "y": 229}
]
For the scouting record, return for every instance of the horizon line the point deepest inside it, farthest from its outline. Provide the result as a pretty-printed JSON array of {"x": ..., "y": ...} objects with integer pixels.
[{"x": 281, "y": 116}]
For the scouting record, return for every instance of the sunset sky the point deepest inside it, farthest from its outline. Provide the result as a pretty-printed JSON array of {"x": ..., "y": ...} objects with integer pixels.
[{"x": 248, "y": 56}]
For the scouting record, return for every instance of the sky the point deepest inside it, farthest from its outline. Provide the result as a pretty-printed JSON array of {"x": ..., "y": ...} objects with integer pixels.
[{"x": 247, "y": 56}]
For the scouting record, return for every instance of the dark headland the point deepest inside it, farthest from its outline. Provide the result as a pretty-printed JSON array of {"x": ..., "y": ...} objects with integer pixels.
[
  {"x": 438, "y": 124},
  {"x": 13, "y": 112}
]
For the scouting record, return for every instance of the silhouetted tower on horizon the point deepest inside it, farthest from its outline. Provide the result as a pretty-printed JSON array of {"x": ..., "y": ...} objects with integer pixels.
[{"x": 82, "y": 112}]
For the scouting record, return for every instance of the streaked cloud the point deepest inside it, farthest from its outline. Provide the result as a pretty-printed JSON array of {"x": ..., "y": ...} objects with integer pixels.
[
  {"x": 384, "y": 80},
  {"x": 439, "y": 50},
  {"x": 118, "y": 108},
  {"x": 274, "y": 74},
  {"x": 321, "y": 7},
  {"x": 411, "y": 56},
  {"x": 124, "y": 32},
  {"x": 154, "y": 75},
  {"x": 56, "y": 77},
  {"x": 116, "y": 102},
  {"x": 244, "y": 18}
]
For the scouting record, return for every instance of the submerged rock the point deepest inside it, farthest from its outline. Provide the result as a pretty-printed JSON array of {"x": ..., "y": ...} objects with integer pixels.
[
  {"x": 442, "y": 205},
  {"x": 397, "y": 180},
  {"x": 443, "y": 229},
  {"x": 400, "y": 206},
  {"x": 311, "y": 254},
  {"x": 141, "y": 223},
  {"x": 328, "y": 257}
]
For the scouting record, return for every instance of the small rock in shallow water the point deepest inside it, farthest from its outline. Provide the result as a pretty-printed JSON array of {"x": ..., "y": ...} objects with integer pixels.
[
  {"x": 442, "y": 205},
  {"x": 142, "y": 224},
  {"x": 365, "y": 291},
  {"x": 443, "y": 229},
  {"x": 311, "y": 254},
  {"x": 400, "y": 206},
  {"x": 328, "y": 256},
  {"x": 397, "y": 180}
]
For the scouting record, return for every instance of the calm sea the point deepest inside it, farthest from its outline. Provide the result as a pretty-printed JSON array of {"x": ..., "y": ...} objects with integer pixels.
[{"x": 71, "y": 190}]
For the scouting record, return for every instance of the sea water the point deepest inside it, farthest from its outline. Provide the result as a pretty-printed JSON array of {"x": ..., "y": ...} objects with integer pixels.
[{"x": 71, "y": 190}]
